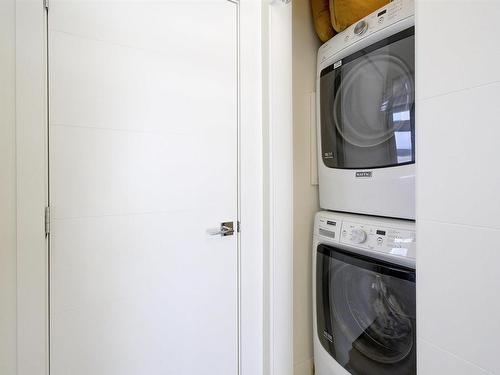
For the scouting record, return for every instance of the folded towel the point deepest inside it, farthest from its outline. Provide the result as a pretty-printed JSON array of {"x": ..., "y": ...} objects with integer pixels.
[
  {"x": 321, "y": 17},
  {"x": 344, "y": 13}
]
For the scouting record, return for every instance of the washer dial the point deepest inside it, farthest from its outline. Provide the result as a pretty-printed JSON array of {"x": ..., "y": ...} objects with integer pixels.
[{"x": 358, "y": 235}]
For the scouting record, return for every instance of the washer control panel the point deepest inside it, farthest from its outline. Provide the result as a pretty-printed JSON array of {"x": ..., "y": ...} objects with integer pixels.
[
  {"x": 389, "y": 236},
  {"x": 381, "y": 238},
  {"x": 329, "y": 227}
]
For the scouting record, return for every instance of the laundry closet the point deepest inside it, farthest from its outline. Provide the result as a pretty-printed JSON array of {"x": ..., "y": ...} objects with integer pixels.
[
  {"x": 388, "y": 107},
  {"x": 363, "y": 135}
]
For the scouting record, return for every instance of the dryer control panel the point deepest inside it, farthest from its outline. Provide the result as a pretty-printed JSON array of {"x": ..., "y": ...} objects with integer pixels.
[
  {"x": 389, "y": 236},
  {"x": 386, "y": 16}
]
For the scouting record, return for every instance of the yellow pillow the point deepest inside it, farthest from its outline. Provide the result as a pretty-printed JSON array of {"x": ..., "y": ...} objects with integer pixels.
[
  {"x": 321, "y": 17},
  {"x": 344, "y": 13}
]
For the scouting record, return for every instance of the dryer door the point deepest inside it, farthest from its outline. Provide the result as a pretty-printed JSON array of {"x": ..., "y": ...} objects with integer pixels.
[
  {"x": 366, "y": 313},
  {"x": 367, "y": 106}
]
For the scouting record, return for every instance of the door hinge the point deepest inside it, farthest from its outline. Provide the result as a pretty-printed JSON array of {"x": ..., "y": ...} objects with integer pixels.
[
  {"x": 238, "y": 226},
  {"x": 47, "y": 221},
  {"x": 46, "y": 4}
]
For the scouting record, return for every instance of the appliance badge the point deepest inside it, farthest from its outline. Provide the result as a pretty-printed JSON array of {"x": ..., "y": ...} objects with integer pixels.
[
  {"x": 364, "y": 174},
  {"x": 338, "y": 64}
]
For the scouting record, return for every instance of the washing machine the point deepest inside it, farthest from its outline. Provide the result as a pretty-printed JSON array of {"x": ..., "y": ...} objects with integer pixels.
[
  {"x": 366, "y": 115},
  {"x": 364, "y": 307}
]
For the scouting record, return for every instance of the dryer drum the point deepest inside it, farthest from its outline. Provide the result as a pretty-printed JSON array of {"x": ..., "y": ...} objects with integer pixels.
[{"x": 370, "y": 97}]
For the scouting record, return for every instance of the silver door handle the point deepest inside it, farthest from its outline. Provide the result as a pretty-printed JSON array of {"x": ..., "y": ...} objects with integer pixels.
[{"x": 226, "y": 229}]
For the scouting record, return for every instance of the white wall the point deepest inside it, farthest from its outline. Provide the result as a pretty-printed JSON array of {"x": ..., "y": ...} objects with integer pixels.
[
  {"x": 7, "y": 189},
  {"x": 458, "y": 187},
  {"x": 251, "y": 252},
  {"x": 278, "y": 181},
  {"x": 305, "y": 47}
]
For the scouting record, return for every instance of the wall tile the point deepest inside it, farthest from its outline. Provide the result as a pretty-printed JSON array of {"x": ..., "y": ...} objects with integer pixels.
[
  {"x": 456, "y": 44},
  {"x": 436, "y": 361},
  {"x": 457, "y": 294},
  {"x": 458, "y": 153}
]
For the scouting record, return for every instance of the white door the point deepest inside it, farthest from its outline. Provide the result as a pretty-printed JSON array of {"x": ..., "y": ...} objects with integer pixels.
[{"x": 143, "y": 135}]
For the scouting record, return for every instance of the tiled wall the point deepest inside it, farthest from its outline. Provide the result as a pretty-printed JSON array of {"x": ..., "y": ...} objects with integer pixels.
[{"x": 458, "y": 186}]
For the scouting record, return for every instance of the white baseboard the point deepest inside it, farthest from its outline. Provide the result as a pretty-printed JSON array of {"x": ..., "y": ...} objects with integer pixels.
[{"x": 304, "y": 367}]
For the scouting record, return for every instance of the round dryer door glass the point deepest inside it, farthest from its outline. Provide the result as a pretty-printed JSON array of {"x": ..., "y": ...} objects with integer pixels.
[
  {"x": 376, "y": 100},
  {"x": 367, "y": 106}
]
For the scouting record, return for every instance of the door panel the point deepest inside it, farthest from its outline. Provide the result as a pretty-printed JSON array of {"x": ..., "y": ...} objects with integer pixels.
[
  {"x": 143, "y": 159},
  {"x": 367, "y": 106},
  {"x": 366, "y": 312}
]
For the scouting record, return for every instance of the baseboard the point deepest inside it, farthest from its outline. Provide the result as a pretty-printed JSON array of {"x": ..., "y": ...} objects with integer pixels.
[{"x": 303, "y": 367}]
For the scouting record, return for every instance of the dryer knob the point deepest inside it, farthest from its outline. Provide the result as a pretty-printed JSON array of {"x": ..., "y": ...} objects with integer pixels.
[
  {"x": 358, "y": 235},
  {"x": 361, "y": 27}
]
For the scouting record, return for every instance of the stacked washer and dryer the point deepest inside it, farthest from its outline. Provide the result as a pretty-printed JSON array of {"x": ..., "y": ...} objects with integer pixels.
[{"x": 364, "y": 244}]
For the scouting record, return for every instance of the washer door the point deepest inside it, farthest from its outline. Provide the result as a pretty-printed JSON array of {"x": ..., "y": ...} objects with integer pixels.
[{"x": 366, "y": 313}]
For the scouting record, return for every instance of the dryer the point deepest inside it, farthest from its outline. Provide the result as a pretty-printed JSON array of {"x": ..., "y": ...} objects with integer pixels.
[
  {"x": 364, "y": 307},
  {"x": 366, "y": 115}
]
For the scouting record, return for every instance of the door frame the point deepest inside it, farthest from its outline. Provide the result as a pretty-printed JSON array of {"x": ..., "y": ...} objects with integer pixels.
[
  {"x": 32, "y": 181},
  {"x": 265, "y": 305},
  {"x": 278, "y": 182}
]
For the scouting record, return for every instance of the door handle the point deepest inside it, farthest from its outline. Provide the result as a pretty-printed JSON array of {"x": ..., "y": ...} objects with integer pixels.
[{"x": 226, "y": 229}]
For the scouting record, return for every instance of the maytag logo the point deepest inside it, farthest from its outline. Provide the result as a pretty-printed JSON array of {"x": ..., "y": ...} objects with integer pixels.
[{"x": 364, "y": 174}]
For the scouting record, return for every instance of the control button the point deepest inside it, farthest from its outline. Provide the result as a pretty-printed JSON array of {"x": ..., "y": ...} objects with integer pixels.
[
  {"x": 346, "y": 38},
  {"x": 344, "y": 233},
  {"x": 358, "y": 235},
  {"x": 380, "y": 240},
  {"x": 381, "y": 20},
  {"x": 361, "y": 27}
]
